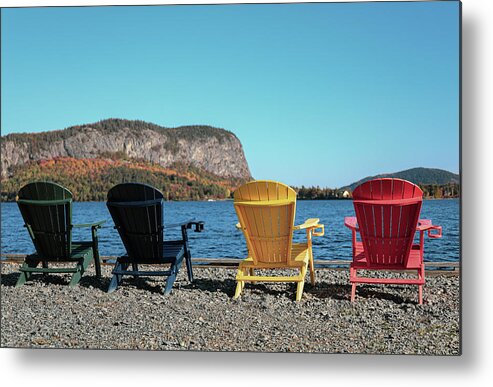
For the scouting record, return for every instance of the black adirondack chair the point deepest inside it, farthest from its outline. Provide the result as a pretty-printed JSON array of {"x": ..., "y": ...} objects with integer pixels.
[
  {"x": 47, "y": 212},
  {"x": 137, "y": 211}
]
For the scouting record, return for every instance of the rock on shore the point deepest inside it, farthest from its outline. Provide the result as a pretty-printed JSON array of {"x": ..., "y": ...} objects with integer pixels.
[{"x": 45, "y": 313}]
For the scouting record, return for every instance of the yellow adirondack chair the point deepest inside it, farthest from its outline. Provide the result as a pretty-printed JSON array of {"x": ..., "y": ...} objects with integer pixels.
[{"x": 266, "y": 211}]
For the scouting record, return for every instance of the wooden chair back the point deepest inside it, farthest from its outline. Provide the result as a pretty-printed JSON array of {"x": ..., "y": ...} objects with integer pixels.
[
  {"x": 266, "y": 211},
  {"x": 47, "y": 212},
  {"x": 387, "y": 211},
  {"x": 137, "y": 211}
]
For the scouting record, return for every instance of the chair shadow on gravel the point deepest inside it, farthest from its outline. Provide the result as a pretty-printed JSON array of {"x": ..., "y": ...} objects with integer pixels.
[
  {"x": 276, "y": 290},
  {"x": 284, "y": 289},
  {"x": 91, "y": 281},
  {"x": 151, "y": 284},
  {"x": 226, "y": 286},
  {"x": 321, "y": 290},
  {"x": 9, "y": 279},
  {"x": 324, "y": 290},
  {"x": 86, "y": 281},
  {"x": 368, "y": 292},
  {"x": 47, "y": 279}
]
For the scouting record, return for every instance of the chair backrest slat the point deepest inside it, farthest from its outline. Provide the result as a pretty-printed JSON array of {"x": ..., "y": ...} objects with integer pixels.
[
  {"x": 137, "y": 211},
  {"x": 387, "y": 211},
  {"x": 46, "y": 208},
  {"x": 267, "y": 226}
]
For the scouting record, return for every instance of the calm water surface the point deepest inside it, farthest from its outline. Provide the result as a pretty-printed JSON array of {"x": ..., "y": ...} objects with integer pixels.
[{"x": 221, "y": 238}]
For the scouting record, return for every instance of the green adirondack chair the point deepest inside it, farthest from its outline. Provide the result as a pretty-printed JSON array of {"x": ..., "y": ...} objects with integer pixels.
[{"x": 47, "y": 212}]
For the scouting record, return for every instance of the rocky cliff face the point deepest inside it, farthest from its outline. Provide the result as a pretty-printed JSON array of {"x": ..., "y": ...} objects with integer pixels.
[{"x": 211, "y": 149}]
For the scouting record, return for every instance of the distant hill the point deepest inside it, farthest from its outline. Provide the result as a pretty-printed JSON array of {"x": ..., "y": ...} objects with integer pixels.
[{"x": 420, "y": 176}]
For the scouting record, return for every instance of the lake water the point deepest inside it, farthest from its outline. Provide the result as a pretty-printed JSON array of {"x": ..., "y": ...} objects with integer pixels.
[{"x": 221, "y": 239}]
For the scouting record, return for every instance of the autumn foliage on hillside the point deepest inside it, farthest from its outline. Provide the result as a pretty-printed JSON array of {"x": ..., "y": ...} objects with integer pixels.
[{"x": 90, "y": 179}]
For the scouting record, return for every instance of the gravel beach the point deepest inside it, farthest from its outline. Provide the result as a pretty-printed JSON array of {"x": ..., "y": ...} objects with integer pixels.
[{"x": 46, "y": 313}]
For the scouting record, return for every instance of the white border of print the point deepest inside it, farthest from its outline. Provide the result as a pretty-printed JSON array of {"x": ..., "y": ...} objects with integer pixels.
[{"x": 83, "y": 368}]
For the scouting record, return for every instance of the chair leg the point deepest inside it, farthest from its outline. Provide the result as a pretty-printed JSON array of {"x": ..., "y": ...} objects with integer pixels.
[
  {"x": 97, "y": 263},
  {"x": 21, "y": 280},
  {"x": 239, "y": 285},
  {"x": 353, "y": 292},
  {"x": 174, "y": 269},
  {"x": 81, "y": 268},
  {"x": 135, "y": 267},
  {"x": 421, "y": 275},
  {"x": 95, "y": 252},
  {"x": 124, "y": 267},
  {"x": 312, "y": 269},
  {"x": 238, "y": 290},
  {"x": 352, "y": 275},
  {"x": 76, "y": 277},
  {"x": 243, "y": 283},
  {"x": 188, "y": 261},
  {"x": 25, "y": 275},
  {"x": 115, "y": 279},
  {"x": 45, "y": 266},
  {"x": 299, "y": 289},
  {"x": 170, "y": 281}
]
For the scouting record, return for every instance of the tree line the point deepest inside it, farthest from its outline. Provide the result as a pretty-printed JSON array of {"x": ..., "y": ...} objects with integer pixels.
[
  {"x": 91, "y": 179},
  {"x": 430, "y": 191}
]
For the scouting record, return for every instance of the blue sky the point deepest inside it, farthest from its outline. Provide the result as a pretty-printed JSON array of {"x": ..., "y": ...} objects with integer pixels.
[{"x": 318, "y": 94}]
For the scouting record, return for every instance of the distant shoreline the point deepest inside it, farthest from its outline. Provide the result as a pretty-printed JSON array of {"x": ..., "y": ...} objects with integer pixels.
[{"x": 230, "y": 200}]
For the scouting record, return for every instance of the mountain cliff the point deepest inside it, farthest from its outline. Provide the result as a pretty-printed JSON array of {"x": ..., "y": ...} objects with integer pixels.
[{"x": 212, "y": 150}]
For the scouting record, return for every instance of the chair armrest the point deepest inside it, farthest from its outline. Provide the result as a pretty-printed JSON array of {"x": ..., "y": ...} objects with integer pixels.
[
  {"x": 426, "y": 225},
  {"x": 95, "y": 249},
  {"x": 423, "y": 224},
  {"x": 311, "y": 225},
  {"x": 199, "y": 225},
  {"x": 351, "y": 222},
  {"x": 95, "y": 224}
]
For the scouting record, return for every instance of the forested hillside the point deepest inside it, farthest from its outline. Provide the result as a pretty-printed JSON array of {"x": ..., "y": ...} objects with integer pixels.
[{"x": 90, "y": 179}]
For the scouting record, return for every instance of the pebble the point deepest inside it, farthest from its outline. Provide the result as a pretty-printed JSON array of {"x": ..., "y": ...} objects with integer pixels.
[{"x": 46, "y": 313}]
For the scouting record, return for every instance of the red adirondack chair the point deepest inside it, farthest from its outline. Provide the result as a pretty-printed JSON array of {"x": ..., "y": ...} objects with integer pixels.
[{"x": 387, "y": 219}]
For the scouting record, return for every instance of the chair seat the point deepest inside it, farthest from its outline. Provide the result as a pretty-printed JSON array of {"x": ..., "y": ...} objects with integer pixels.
[
  {"x": 79, "y": 251},
  {"x": 299, "y": 258},
  {"x": 359, "y": 260},
  {"x": 172, "y": 251}
]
